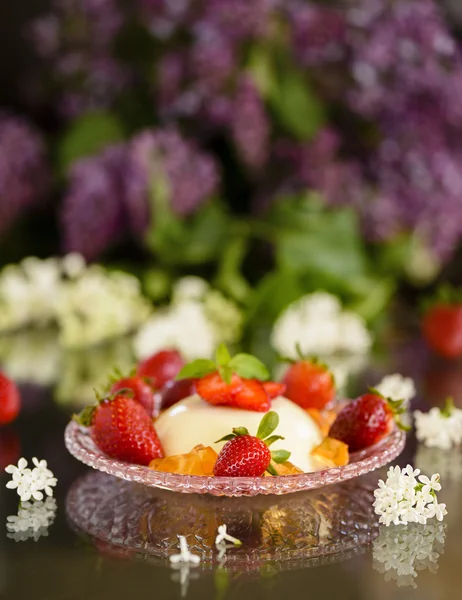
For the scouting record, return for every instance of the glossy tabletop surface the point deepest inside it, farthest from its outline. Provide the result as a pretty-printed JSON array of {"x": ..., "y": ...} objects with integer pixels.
[{"x": 110, "y": 540}]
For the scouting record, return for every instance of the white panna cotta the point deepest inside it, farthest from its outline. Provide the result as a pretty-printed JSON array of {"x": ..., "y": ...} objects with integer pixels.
[{"x": 193, "y": 421}]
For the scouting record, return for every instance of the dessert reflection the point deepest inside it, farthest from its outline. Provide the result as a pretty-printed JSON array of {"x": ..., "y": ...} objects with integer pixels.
[{"x": 296, "y": 530}]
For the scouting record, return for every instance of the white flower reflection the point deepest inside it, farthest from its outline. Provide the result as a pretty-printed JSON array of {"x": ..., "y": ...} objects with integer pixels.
[
  {"x": 32, "y": 520},
  {"x": 400, "y": 551}
]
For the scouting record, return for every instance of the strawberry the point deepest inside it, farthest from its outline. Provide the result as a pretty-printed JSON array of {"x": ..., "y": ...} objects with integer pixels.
[
  {"x": 227, "y": 381},
  {"x": 10, "y": 400},
  {"x": 161, "y": 367},
  {"x": 274, "y": 389},
  {"x": 139, "y": 389},
  {"x": 245, "y": 455},
  {"x": 366, "y": 420},
  {"x": 122, "y": 429},
  {"x": 174, "y": 391},
  {"x": 442, "y": 329},
  {"x": 310, "y": 384}
]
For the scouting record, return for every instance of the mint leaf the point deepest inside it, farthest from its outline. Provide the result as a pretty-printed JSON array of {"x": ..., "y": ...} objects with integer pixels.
[
  {"x": 280, "y": 456},
  {"x": 226, "y": 373},
  {"x": 222, "y": 355},
  {"x": 196, "y": 369},
  {"x": 268, "y": 424},
  {"x": 249, "y": 367}
]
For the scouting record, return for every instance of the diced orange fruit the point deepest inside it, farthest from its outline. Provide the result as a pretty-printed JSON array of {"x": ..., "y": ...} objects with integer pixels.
[
  {"x": 323, "y": 419},
  {"x": 332, "y": 453},
  {"x": 286, "y": 468},
  {"x": 200, "y": 461}
]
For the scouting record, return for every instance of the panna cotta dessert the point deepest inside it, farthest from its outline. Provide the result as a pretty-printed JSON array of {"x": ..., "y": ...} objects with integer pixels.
[{"x": 193, "y": 421}]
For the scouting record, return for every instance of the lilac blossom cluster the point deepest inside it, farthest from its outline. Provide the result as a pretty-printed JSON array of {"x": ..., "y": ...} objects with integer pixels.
[
  {"x": 24, "y": 173},
  {"x": 76, "y": 39},
  {"x": 112, "y": 195}
]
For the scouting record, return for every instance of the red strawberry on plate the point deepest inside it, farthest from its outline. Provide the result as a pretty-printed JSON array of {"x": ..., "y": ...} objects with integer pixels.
[
  {"x": 442, "y": 329},
  {"x": 123, "y": 430},
  {"x": 246, "y": 455},
  {"x": 10, "y": 400},
  {"x": 227, "y": 381},
  {"x": 139, "y": 389},
  {"x": 310, "y": 384},
  {"x": 161, "y": 367},
  {"x": 173, "y": 392},
  {"x": 366, "y": 420}
]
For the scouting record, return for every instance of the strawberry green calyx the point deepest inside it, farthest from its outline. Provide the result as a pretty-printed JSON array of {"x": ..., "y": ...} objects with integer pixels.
[
  {"x": 267, "y": 426},
  {"x": 244, "y": 365},
  {"x": 397, "y": 408},
  {"x": 446, "y": 295},
  {"x": 85, "y": 416}
]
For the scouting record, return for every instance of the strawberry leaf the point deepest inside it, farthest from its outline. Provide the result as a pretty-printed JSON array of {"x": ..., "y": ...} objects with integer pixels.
[
  {"x": 271, "y": 470},
  {"x": 226, "y": 438},
  {"x": 268, "y": 424},
  {"x": 240, "y": 431},
  {"x": 249, "y": 367},
  {"x": 280, "y": 456},
  {"x": 274, "y": 438},
  {"x": 222, "y": 356},
  {"x": 196, "y": 369},
  {"x": 85, "y": 417},
  {"x": 448, "y": 408}
]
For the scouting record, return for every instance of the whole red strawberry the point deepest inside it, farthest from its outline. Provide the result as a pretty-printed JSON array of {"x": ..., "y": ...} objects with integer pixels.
[
  {"x": 245, "y": 455},
  {"x": 442, "y": 329},
  {"x": 140, "y": 390},
  {"x": 365, "y": 421},
  {"x": 161, "y": 367},
  {"x": 10, "y": 400},
  {"x": 122, "y": 429},
  {"x": 174, "y": 391},
  {"x": 310, "y": 384}
]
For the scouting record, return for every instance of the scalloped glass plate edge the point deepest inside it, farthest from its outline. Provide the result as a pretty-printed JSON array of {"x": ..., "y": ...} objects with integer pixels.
[{"x": 81, "y": 446}]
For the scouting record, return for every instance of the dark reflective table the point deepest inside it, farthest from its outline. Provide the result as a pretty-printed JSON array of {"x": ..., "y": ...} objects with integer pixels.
[{"x": 110, "y": 540}]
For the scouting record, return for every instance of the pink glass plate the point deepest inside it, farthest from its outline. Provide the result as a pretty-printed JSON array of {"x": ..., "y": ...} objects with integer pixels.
[{"x": 80, "y": 445}]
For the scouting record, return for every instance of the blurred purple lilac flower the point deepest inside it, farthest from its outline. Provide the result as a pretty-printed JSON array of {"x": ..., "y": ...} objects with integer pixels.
[
  {"x": 250, "y": 127},
  {"x": 94, "y": 215},
  {"x": 24, "y": 172},
  {"x": 76, "y": 41},
  {"x": 191, "y": 175},
  {"x": 238, "y": 19}
]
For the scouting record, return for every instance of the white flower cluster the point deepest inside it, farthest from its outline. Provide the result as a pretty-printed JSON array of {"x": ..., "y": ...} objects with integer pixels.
[
  {"x": 401, "y": 550},
  {"x": 408, "y": 497},
  {"x": 195, "y": 323},
  {"x": 31, "y": 483},
  {"x": 89, "y": 304},
  {"x": 397, "y": 387},
  {"x": 439, "y": 428},
  {"x": 320, "y": 326},
  {"x": 32, "y": 521}
]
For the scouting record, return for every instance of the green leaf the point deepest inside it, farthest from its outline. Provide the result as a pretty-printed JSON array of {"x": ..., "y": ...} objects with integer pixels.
[
  {"x": 271, "y": 470},
  {"x": 226, "y": 373},
  {"x": 222, "y": 355},
  {"x": 448, "y": 409},
  {"x": 88, "y": 135},
  {"x": 249, "y": 367},
  {"x": 226, "y": 438},
  {"x": 85, "y": 417},
  {"x": 268, "y": 424},
  {"x": 240, "y": 431},
  {"x": 273, "y": 438},
  {"x": 196, "y": 369},
  {"x": 280, "y": 456}
]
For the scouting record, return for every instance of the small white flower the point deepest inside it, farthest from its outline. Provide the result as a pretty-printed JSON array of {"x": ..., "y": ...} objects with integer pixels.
[
  {"x": 32, "y": 520},
  {"x": 185, "y": 556},
  {"x": 407, "y": 497},
  {"x": 223, "y": 536},
  {"x": 439, "y": 428},
  {"x": 397, "y": 387},
  {"x": 30, "y": 483}
]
